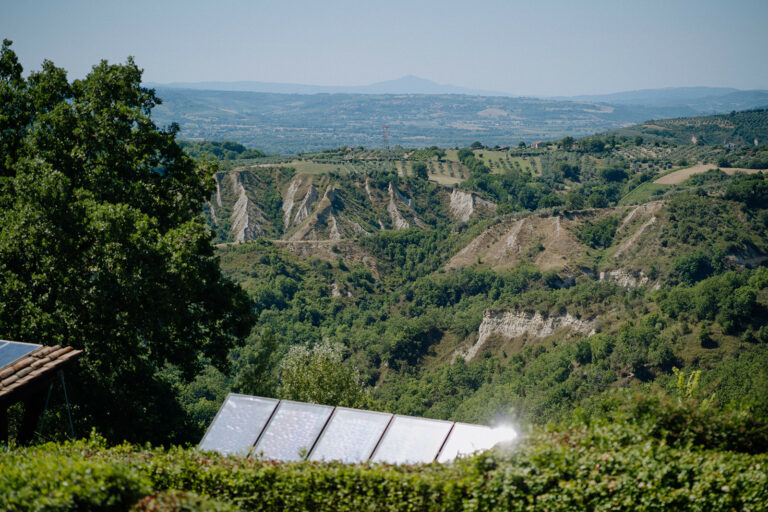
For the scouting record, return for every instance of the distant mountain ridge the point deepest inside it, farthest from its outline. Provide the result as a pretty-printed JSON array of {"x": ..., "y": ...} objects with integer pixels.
[
  {"x": 408, "y": 84},
  {"x": 702, "y": 100},
  {"x": 664, "y": 96}
]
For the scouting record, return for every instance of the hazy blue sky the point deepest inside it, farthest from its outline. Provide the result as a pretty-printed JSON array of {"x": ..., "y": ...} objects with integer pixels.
[{"x": 548, "y": 47}]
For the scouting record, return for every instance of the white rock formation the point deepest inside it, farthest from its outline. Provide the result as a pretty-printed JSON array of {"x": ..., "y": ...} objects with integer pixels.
[
  {"x": 397, "y": 220},
  {"x": 306, "y": 205},
  {"x": 513, "y": 324},
  {"x": 217, "y": 178},
  {"x": 290, "y": 197},
  {"x": 464, "y": 204},
  {"x": 214, "y": 217},
  {"x": 624, "y": 278},
  {"x": 243, "y": 226},
  {"x": 393, "y": 192},
  {"x": 334, "y": 233}
]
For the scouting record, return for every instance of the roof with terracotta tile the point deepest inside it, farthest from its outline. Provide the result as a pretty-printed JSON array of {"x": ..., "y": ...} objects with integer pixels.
[{"x": 38, "y": 365}]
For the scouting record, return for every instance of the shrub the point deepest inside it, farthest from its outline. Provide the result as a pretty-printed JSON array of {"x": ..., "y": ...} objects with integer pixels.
[
  {"x": 693, "y": 267},
  {"x": 54, "y": 478},
  {"x": 599, "y": 234},
  {"x": 181, "y": 501}
]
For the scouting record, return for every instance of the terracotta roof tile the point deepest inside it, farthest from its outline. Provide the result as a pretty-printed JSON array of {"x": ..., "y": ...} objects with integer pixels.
[{"x": 35, "y": 365}]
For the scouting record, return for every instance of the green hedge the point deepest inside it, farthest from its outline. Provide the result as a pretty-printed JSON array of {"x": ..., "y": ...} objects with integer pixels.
[
  {"x": 59, "y": 478},
  {"x": 178, "y": 501},
  {"x": 597, "y": 464}
]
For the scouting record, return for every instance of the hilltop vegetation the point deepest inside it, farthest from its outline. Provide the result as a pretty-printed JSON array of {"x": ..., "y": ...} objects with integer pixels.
[{"x": 736, "y": 128}]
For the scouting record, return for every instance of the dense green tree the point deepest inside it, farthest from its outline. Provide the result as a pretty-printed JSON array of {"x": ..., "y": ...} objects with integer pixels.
[
  {"x": 102, "y": 246},
  {"x": 319, "y": 375},
  {"x": 420, "y": 170},
  {"x": 599, "y": 234}
]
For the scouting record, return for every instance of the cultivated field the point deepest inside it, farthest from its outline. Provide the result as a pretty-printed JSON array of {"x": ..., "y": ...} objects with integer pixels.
[{"x": 677, "y": 177}]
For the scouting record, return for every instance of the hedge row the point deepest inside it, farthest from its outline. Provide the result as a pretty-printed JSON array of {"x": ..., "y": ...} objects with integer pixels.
[{"x": 601, "y": 466}]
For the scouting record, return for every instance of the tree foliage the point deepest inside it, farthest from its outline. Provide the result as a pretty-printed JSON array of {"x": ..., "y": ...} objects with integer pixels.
[
  {"x": 319, "y": 375},
  {"x": 102, "y": 245}
]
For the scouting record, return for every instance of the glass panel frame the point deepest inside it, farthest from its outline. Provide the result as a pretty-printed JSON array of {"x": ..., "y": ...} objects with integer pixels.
[
  {"x": 410, "y": 440},
  {"x": 350, "y": 435},
  {"x": 294, "y": 426},
  {"x": 238, "y": 424}
]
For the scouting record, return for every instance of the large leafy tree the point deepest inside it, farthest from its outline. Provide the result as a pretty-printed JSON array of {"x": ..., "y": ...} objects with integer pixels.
[{"x": 102, "y": 245}]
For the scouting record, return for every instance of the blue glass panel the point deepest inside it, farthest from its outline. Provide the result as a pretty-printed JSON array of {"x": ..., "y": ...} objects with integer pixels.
[{"x": 11, "y": 351}]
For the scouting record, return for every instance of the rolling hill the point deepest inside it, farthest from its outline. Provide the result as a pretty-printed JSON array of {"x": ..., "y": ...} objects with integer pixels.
[{"x": 538, "y": 280}]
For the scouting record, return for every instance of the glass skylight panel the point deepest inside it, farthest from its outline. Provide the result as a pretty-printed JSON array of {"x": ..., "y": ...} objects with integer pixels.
[
  {"x": 466, "y": 439},
  {"x": 292, "y": 431},
  {"x": 238, "y": 424},
  {"x": 351, "y": 435},
  {"x": 11, "y": 351},
  {"x": 411, "y": 440}
]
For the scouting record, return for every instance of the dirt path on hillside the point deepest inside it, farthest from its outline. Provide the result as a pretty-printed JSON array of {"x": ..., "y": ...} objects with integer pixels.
[{"x": 677, "y": 177}]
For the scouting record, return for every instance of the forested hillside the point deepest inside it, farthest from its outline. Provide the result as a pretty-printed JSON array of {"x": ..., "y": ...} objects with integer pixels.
[{"x": 492, "y": 281}]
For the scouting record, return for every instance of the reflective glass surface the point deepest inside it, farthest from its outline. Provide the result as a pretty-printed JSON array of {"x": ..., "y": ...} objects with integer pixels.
[
  {"x": 10, "y": 351},
  {"x": 411, "y": 440},
  {"x": 351, "y": 435},
  {"x": 292, "y": 430},
  {"x": 238, "y": 424},
  {"x": 466, "y": 439}
]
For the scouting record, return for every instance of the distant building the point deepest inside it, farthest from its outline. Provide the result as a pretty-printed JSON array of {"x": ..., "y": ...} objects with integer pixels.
[{"x": 537, "y": 144}]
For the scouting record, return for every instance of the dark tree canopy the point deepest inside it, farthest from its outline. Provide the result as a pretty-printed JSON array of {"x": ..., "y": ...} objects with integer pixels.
[{"x": 102, "y": 245}]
